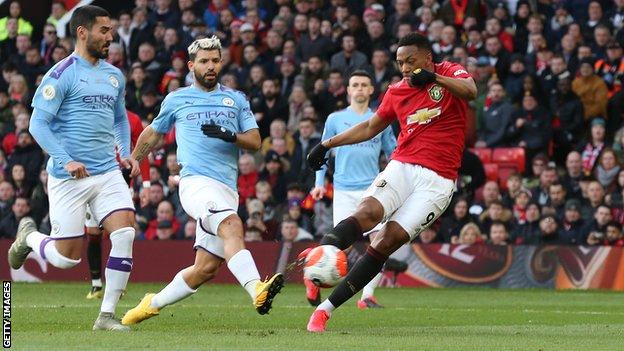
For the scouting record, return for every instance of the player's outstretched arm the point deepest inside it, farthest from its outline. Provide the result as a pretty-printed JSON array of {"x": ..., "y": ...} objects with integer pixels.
[
  {"x": 358, "y": 133},
  {"x": 464, "y": 88},
  {"x": 148, "y": 139}
]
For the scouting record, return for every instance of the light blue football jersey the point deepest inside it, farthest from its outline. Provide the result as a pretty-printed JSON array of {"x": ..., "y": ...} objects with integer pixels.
[
  {"x": 84, "y": 116},
  {"x": 356, "y": 165},
  {"x": 188, "y": 108}
]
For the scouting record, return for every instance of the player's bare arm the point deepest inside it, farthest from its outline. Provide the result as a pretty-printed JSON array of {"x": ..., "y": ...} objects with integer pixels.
[
  {"x": 358, "y": 133},
  {"x": 464, "y": 88},
  {"x": 250, "y": 140},
  {"x": 147, "y": 141}
]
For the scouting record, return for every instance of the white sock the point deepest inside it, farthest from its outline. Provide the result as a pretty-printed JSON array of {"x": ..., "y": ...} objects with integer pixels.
[
  {"x": 96, "y": 282},
  {"x": 244, "y": 269},
  {"x": 173, "y": 292},
  {"x": 369, "y": 289},
  {"x": 326, "y": 306},
  {"x": 44, "y": 246},
  {"x": 118, "y": 267}
]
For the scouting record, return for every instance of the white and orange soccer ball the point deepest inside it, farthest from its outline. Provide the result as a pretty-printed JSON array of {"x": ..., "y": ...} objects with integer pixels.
[{"x": 325, "y": 266}]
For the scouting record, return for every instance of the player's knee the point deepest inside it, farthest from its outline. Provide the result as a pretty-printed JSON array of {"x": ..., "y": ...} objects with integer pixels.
[
  {"x": 390, "y": 239},
  {"x": 121, "y": 240},
  {"x": 231, "y": 228},
  {"x": 369, "y": 211}
]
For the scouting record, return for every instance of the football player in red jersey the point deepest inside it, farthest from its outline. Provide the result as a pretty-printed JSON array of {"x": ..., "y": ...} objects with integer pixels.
[
  {"x": 417, "y": 185},
  {"x": 92, "y": 228}
]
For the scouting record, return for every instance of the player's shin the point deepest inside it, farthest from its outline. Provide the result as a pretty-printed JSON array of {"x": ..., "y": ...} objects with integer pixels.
[
  {"x": 178, "y": 289},
  {"x": 118, "y": 267},
  {"x": 344, "y": 234},
  {"x": 94, "y": 257},
  {"x": 364, "y": 270},
  {"x": 244, "y": 269}
]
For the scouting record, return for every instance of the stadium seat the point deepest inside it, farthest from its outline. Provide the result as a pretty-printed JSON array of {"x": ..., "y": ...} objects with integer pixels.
[
  {"x": 484, "y": 154},
  {"x": 503, "y": 174},
  {"x": 512, "y": 156},
  {"x": 491, "y": 171}
]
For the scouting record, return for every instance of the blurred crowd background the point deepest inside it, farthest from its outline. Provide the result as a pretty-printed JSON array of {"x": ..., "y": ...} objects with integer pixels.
[{"x": 545, "y": 136}]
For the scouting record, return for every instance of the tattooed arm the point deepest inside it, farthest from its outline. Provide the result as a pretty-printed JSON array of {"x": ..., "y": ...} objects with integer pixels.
[{"x": 147, "y": 141}]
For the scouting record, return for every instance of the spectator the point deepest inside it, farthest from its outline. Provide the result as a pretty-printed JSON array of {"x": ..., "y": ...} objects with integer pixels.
[
  {"x": 497, "y": 119},
  {"x": 469, "y": 235},
  {"x": 18, "y": 90},
  {"x": 15, "y": 12},
  {"x": 349, "y": 58},
  {"x": 331, "y": 99},
  {"x": 593, "y": 148},
  {"x": 39, "y": 203},
  {"x": 48, "y": 43},
  {"x": 515, "y": 79},
  {"x": 532, "y": 126},
  {"x": 164, "y": 14},
  {"x": 295, "y": 212},
  {"x": 255, "y": 223},
  {"x": 165, "y": 226},
  {"x": 498, "y": 234},
  {"x": 7, "y": 195},
  {"x": 568, "y": 110},
  {"x": 278, "y": 131},
  {"x": 287, "y": 75},
  {"x": 8, "y": 224},
  {"x": 528, "y": 232},
  {"x": 264, "y": 193},
  {"x": 269, "y": 106},
  {"x": 497, "y": 56},
  {"x": 491, "y": 193},
  {"x": 312, "y": 43},
  {"x": 427, "y": 236},
  {"x": 520, "y": 205},
  {"x": 614, "y": 235},
  {"x": 556, "y": 200},
  {"x": 546, "y": 178},
  {"x": 297, "y": 102},
  {"x": 275, "y": 175},
  {"x": 19, "y": 181},
  {"x": 495, "y": 213},
  {"x": 402, "y": 14},
  {"x": 607, "y": 169},
  {"x": 452, "y": 223},
  {"x": 549, "y": 230},
  {"x": 141, "y": 32},
  {"x": 595, "y": 231},
  {"x": 595, "y": 198},
  {"x": 291, "y": 232},
  {"x": 58, "y": 10},
  {"x": 306, "y": 138},
  {"x": 28, "y": 154},
  {"x": 247, "y": 178},
  {"x": 571, "y": 232},
  {"x": 382, "y": 72},
  {"x": 611, "y": 68},
  {"x": 190, "y": 229},
  {"x": 150, "y": 198},
  {"x": 592, "y": 91}
]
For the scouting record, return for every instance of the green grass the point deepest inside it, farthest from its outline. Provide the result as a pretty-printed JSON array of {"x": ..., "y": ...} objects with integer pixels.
[{"x": 58, "y": 317}]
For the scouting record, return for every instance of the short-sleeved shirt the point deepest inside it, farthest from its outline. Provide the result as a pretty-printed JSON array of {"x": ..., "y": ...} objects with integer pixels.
[
  {"x": 188, "y": 108},
  {"x": 356, "y": 165},
  {"x": 432, "y": 120},
  {"x": 84, "y": 100}
]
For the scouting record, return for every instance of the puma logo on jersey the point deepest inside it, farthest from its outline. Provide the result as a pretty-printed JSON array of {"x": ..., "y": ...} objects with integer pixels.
[{"x": 423, "y": 116}]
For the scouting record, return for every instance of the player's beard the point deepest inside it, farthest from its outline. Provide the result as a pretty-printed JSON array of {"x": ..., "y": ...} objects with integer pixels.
[
  {"x": 97, "y": 50},
  {"x": 205, "y": 81}
]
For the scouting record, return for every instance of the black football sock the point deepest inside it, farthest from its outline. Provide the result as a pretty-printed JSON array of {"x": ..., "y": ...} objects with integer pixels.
[
  {"x": 344, "y": 234},
  {"x": 94, "y": 256},
  {"x": 364, "y": 270}
]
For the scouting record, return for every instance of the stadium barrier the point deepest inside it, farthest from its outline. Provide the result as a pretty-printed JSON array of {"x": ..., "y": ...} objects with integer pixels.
[{"x": 435, "y": 265}]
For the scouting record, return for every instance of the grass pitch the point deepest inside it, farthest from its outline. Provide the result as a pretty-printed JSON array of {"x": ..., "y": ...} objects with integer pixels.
[{"x": 219, "y": 317}]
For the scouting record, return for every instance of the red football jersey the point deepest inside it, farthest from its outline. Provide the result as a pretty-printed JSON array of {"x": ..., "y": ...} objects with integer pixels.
[{"x": 433, "y": 122}]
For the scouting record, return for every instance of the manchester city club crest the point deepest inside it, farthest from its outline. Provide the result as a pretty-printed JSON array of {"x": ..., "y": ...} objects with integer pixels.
[
  {"x": 228, "y": 102},
  {"x": 436, "y": 93},
  {"x": 113, "y": 80}
]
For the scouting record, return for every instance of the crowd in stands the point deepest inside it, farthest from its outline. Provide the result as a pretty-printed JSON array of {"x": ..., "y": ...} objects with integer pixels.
[{"x": 549, "y": 75}]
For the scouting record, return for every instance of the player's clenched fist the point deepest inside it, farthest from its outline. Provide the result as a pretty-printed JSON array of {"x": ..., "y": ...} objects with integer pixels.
[
  {"x": 421, "y": 77},
  {"x": 215, "y": 131},
  {"x": 316, "y": 157},
  {"x": 76, "y": 169}
]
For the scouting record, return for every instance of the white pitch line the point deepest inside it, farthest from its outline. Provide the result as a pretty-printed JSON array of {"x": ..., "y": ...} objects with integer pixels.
[{"x": 440, "y": 309}]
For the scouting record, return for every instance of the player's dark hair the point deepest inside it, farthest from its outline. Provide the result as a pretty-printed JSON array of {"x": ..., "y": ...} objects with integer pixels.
[
  {"x": 85, "y": 17},
  {"x": 361, "y": 73},
  {"x": 417, "y": 40}
]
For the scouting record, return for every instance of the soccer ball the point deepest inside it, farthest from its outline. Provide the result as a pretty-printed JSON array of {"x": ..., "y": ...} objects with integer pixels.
[{"x": 325, "y": 266}]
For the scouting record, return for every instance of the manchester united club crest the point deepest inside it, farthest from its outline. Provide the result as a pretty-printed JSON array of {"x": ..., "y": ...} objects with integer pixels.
[{"x": 436, "y": 93}]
